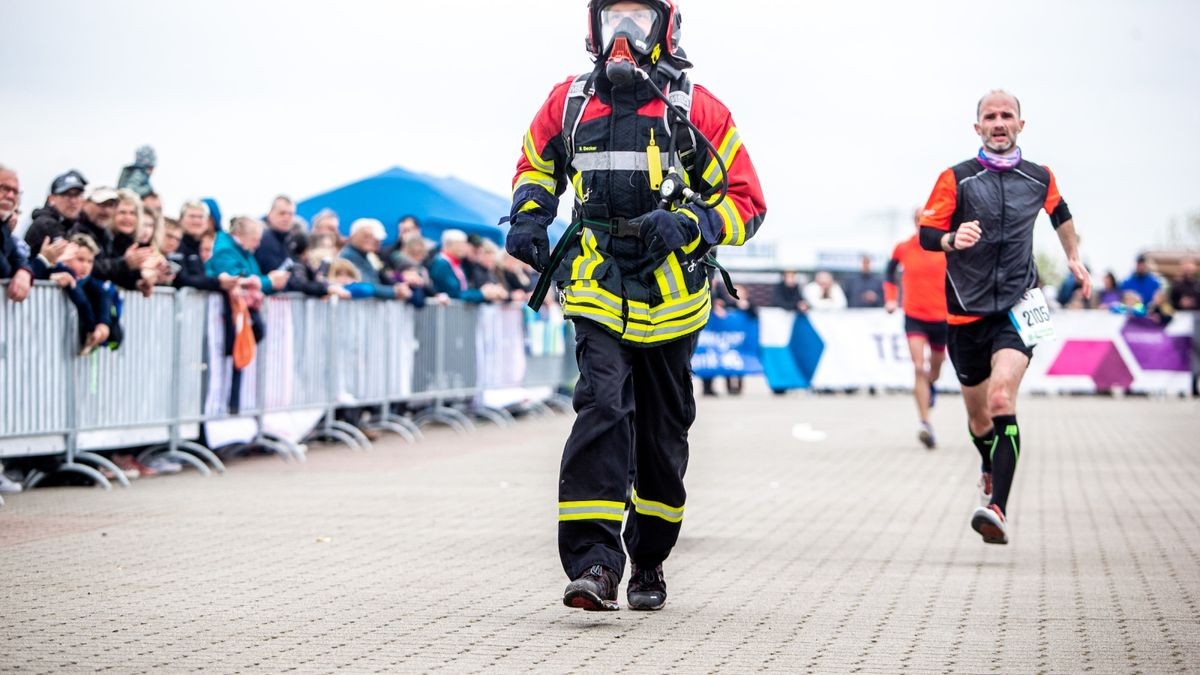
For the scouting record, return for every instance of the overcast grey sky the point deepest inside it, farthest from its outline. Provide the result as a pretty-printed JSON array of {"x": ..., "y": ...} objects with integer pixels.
[{"x": 849, "y": 109}]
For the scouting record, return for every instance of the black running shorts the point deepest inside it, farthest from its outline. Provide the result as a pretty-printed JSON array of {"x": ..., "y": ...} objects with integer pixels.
[
  {"x": 972, "y": 346},
  {"x": 933, "y": 331}
]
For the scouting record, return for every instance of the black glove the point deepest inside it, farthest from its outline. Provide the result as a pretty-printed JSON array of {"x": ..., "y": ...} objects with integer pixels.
[
  {"x": 529, "y": 244},
  {"x": 664, "y": 231}
]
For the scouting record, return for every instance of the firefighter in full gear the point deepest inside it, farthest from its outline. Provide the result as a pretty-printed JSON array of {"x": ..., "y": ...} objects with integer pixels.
[{"x": 660, "y": 178}]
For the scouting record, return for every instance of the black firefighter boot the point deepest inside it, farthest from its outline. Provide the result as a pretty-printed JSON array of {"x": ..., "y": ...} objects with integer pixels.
[
  {"x": 647, "y": 588},
  {"x": 595, "y": 590}
]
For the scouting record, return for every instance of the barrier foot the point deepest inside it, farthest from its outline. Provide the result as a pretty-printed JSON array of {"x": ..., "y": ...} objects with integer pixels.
[
  {"x": 402, "y": 432},
  {"x": 69, "y": 467},
  {"x": 188, "y": 459},
  {"x": 336, "y": 435},
  {"x": 337, "y": 431},
  {"x": 103, "y": 462},
  {"x": 282, "y": 447},
  {"x": 500, "y": 418},
  {"x": 203, "y": 453},
  {"x": 352, "y": 431},
  {"x": 452, "y": 418},
  {"x": 539, "y": 408},
  {"x": 405, "y": 422}
]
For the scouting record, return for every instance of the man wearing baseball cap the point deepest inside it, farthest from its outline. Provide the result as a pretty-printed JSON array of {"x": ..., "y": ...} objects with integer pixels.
[
  {"x": 120, "y": 267},
  {"x": 54, "y": 221}
]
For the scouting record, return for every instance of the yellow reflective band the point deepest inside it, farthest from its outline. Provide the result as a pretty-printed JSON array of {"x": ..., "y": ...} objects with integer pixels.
[
  {"x": 536, "y": 178},
  {"x": 728, "y": 150},
  {"x": 735, "y": 227},
  {"x": 588, "y": 257},
  {"x": 669, "y": 276},
  {"x": 529, "y": 206},
  {"x": 591, "y": 510},
  {"x": 577, "y": 181},
  {"x": 663, "y": 333},
  {"x": 647, "y": 507},
  {"x": 669, "y": 309},
  {"x": 535, "y": 160},
  {"x": 598, "y": 315}
]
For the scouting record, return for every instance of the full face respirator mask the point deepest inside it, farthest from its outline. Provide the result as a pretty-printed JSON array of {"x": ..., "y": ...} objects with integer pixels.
[{"x": 627, "y": 36}]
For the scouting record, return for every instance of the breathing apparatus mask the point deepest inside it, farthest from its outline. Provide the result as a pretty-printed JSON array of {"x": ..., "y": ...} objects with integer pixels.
[{"x": 627, "y": 37}]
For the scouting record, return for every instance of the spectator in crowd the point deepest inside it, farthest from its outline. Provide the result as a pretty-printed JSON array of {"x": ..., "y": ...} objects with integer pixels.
[
  {"x": 233, "y": 254},
  {"x": 126, "y": 223},
  {"x": 516, "y": 277},
  {"x": 322, "y": 251},
  {"x": 484, "y": 256},
  {"x": 865, "y": 289},
  {"x": 1142, "y": 281},
  {"x": 449, "y": 276},
  {"x": 136, "y": 176},
  {"x": 407, "y": 227},
  {"x": 327, "y": 222},
  {"x": 408, "y": 254},
  {"x": 14, "y": 263},
  {"x": 1185, "y": 292},
  {"x": 196, "y": 228},
  {"x": 53, "y": 222},
  {"x": 95, "y": 301},
  {"x": 1110, "y": 291},
  {"x": 282, "y": 245},
  {"x": 152, "y": 203},
  {"x": 787, "y": 293},
  {"x": 305, "y": 279},
  {"x": 186, "y": 265},
  {"x": 344, "y": 275},
  {"x": 214, "y": 214},
  {"x": 823, "y": 293},
  {"x": 1131, "y": 304},
  {"x": 362, "y": 250},
  {"x": 118, "y": 261},
  {"x": 272, "y": 254}
]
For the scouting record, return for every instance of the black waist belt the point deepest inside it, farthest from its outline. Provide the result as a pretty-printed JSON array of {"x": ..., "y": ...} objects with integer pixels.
[{"x": 617, "y": 227}]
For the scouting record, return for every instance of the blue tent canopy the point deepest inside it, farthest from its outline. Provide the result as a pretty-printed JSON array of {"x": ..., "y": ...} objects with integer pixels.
[{"x": 439, "y": 203}]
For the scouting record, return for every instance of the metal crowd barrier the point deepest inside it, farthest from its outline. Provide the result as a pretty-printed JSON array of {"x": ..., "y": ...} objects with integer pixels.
[{"x": 170, "y": 376}]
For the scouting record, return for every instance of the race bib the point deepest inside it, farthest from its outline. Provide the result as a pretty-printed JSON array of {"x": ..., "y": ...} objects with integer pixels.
[{"x": 1031, "y": 317}]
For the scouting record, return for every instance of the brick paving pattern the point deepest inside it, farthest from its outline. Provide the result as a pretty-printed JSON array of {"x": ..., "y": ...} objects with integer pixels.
[{"x": 847, "y": 554}]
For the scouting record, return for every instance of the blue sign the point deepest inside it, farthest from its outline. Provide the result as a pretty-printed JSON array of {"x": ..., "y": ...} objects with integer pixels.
[{"x": 728, "y": 346}]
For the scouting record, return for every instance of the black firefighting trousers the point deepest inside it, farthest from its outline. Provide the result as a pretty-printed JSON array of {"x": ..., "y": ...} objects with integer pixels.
[{"x": 634, "y": 406}]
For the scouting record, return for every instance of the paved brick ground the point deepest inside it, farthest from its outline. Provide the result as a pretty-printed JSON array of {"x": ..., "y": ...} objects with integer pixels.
[{"x": 848, "y": 554}]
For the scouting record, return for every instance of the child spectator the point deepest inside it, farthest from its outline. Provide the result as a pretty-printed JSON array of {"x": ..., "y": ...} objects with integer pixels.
[
  {"x": 96, "y": 302},
  {"x": 343, "y": 273},
  {"x": 136, "y": 176}
]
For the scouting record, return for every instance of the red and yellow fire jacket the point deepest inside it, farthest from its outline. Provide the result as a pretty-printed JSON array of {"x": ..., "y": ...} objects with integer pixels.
[{"x": 614, "y": 280}]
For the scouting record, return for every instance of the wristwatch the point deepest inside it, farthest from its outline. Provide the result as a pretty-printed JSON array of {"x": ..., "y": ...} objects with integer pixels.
[{"x": 950, "y": 241}]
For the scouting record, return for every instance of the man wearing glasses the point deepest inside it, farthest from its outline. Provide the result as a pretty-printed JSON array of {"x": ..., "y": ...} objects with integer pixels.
[{"x": 14, "y": 263}]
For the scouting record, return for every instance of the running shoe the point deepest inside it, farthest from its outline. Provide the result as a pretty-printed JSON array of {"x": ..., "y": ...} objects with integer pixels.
[
  {"x": 925, "y": 435},
  {"x": 595, "y": 590},
  {"x": 989, "y": 522},
  {"x": 647, "y": 588},
  {"x": 985, "y": 488},
  {"x": 128, "y": 465}
]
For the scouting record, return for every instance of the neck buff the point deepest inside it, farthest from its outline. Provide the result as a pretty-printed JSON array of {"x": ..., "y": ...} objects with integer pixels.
[{"x": 997, "y": 162}]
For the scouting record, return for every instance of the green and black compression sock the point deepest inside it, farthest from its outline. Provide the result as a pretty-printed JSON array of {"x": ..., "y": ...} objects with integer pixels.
[
  {"x": 984, "y": 445},
  {"x": 1006, "y": 450}
]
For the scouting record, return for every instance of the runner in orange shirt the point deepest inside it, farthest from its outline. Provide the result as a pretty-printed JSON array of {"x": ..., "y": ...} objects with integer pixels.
[{"x": 923, "y": 293}]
